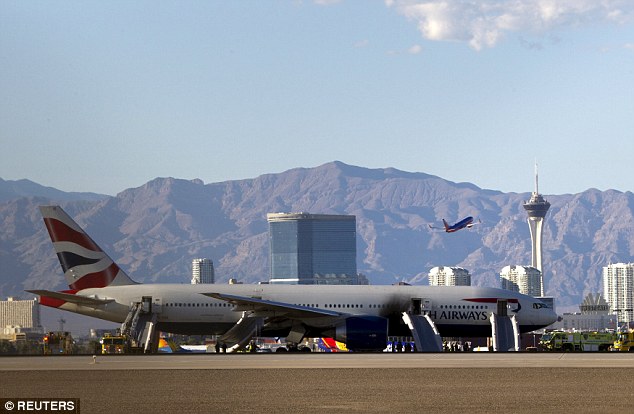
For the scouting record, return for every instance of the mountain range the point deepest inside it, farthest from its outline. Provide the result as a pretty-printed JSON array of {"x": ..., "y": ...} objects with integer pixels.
[
  {"x": 154, "y": 231},
  {"x": 10, "y": 190}
]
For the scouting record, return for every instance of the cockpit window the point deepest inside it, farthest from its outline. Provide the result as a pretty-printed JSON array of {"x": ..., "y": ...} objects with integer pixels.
[{"x": 539, "y": 305}]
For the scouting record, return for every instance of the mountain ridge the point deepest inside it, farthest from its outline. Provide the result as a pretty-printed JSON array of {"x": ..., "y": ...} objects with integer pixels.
[
  {"x": 155, "y": 230},
  {"x": 11, "y": 189}
]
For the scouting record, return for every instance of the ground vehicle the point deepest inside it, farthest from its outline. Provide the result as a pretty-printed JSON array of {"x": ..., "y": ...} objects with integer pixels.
[
  {"x": 114, "y": 344},
  {"x": 624, "y": 341},
  {"x": 56, "y": 343},
  {"x": 577, "y": 341},
  {"x": 119, "y": 344}
]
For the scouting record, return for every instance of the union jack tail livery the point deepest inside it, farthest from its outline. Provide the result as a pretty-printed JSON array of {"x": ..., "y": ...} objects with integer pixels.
[{"x": 84, "y": 264}]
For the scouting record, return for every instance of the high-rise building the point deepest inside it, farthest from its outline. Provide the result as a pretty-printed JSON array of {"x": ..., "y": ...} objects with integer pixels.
[
  {"x": 618, "y": 289},
  {"x": 312, "y": 248},
  {"x": 449, "y": 276},
  {"x": 522, "y": 279},
  {"x": 22, "y": 313},
  {"x": 202, "y": 271},
  {"x": 537, "y": 207}
]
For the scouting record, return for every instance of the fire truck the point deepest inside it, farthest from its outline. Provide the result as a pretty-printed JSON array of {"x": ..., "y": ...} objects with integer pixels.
[
  {"x": 119, "y": 343},
  {"x": 577, "y": 341},
  {"x": 624, "y": 341},
  {"x": 58, "y": 343},
  {"x": 114, "y": 344}
]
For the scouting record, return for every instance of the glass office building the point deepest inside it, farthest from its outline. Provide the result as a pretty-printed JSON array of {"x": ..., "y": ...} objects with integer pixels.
[{"x": 312, "y": 248}]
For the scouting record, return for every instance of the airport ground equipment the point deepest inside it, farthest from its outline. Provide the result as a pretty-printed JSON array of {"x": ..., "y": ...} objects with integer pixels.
[
  {"x": 58, "y": 343},
  {"x": 624, "y": 341},
  {"x": 114, "y": 344},
  {"x": 577, "y": 341},
  {"x": 118, "y": 343}
]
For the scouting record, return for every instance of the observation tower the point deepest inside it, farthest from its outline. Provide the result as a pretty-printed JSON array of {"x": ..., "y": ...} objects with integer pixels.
[{"x": 537, "y": 207}]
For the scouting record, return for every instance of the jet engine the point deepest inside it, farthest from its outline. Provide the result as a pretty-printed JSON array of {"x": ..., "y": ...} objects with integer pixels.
[{"x": 363, "y": 333}]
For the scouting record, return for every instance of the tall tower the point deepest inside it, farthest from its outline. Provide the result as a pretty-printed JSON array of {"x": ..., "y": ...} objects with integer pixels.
[
  {"x": 618, "y": 288},
  {"x": 311, "y": 249},
  {"x": 523, "y": 279},
  {"x": 449, "y": 276},
  {"x": 537, "y": 207},
  {"x": 203, "y": 271}
]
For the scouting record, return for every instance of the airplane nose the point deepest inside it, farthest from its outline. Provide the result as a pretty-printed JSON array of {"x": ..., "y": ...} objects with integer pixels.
[{"x": 550, "y": 316}]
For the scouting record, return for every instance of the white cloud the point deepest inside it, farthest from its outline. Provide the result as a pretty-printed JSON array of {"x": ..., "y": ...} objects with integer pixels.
[
  {"x": 414, "y": 50},
  {"x": 484, "y": 23}
]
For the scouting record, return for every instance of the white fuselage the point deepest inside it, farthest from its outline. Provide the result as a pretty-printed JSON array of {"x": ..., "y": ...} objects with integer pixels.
[{"x": 456, "y": 311}]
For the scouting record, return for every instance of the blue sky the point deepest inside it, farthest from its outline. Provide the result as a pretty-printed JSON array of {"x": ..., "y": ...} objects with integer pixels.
[{"x": 104, "y": 96}]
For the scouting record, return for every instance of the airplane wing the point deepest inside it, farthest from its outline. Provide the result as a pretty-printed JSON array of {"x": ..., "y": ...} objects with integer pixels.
[
  {"x": 284, "y": 309},
  {"x": 67, "y": 297}
]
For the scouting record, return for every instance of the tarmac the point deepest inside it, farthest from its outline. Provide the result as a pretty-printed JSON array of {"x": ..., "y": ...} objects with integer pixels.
[{"x": 311, "y": 383}]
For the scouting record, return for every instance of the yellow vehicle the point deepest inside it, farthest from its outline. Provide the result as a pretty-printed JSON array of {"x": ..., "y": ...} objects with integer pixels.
[
  {"x": 577, "y": 341},
  {"x": 114, "y": 344},
  {"x": 624, "y": 341},
  {"x": 58, "y": 343}
]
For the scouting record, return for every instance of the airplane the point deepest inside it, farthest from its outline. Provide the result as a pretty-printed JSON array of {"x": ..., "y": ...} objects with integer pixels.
[
  {"x": 466, "y": 222},
  {"x": 360, "y": 316},
  {"x": 168, "y": 346},
  {"x": 330, "y": 345}
]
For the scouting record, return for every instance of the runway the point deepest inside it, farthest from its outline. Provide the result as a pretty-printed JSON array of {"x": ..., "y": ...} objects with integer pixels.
[
  {"x": 312, "y": 383},
  {"x": 321, "y": 360}
]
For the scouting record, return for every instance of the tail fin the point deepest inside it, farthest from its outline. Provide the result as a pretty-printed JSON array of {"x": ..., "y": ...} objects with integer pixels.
[
  {"x": 446, "y": 224},
  {"x": 84, "y": 264}
]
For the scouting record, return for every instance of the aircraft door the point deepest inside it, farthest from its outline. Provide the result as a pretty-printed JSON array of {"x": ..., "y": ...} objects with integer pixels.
[
  {"x": 146, "y": 304},
  {"x": 419, "y": 306},
  {"x": 157, "y": 305},
  {"x": 416, "y": 306},
  {"x": 503, "y": 306}
]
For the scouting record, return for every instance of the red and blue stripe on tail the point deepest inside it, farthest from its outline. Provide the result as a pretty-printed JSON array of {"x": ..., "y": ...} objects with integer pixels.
[{"x": 84, "y": 263}]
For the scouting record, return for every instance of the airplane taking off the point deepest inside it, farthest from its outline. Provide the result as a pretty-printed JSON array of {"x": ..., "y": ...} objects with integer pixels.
[
  {"x": 360, "y": 316},
  {"x": 466, "y": 222}
]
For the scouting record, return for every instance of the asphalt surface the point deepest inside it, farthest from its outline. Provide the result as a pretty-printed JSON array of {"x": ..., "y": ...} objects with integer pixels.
[{"x": 473, "y": 383}]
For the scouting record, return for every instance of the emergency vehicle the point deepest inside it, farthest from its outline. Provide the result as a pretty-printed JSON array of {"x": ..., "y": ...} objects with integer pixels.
[
  {"x": 577, "y": 341},
  {"x": 114, "y": 344},
  {"x": 624, "y": 341},
  {"x": 56, "y": 343}
]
